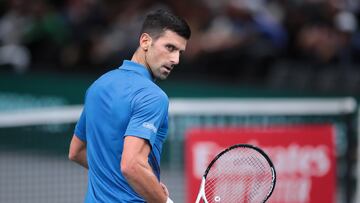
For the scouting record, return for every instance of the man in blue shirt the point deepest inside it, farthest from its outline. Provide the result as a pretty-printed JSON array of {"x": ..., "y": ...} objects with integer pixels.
[{"x": 123, "y": 126}]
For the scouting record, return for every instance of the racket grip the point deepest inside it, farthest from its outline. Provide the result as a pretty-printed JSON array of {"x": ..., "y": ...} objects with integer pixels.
[{"x": 169, "y": 200}]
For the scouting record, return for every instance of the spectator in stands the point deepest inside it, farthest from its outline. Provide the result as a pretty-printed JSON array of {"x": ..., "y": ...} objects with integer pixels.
[
  {"x": 119, "y": 40},
  {"x": 241, "y": 40},
  {"x": 349, "y": 47},
  {"x": 46, "y": 35},
  {"x": 87, "y": 20},
  {"x": 327, "y": 37},
  {"x": 13, "y": 25}
]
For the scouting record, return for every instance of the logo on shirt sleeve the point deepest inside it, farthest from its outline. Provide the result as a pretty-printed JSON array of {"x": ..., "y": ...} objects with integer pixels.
[{"x": 150, "y": 126}]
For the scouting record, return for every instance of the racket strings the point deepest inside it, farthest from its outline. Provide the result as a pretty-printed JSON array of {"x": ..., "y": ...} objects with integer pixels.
[
  {"x": 232, "y": 187},
  {"x": 239, "y": 175}
]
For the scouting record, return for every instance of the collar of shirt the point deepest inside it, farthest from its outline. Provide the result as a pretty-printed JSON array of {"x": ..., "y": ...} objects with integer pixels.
[{"x": 132, "y": 66}]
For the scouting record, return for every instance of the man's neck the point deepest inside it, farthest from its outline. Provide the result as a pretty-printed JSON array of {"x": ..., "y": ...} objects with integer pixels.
[{"x": 140, "y": 58}]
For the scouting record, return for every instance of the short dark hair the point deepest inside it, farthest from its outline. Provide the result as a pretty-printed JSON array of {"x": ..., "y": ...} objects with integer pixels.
[{"x": 161, "y": 20}]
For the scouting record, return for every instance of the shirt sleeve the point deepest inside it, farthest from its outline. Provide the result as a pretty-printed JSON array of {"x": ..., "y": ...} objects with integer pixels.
[
  {"x": 80, "y": 128},
  {"x": 149, "y": 110}
]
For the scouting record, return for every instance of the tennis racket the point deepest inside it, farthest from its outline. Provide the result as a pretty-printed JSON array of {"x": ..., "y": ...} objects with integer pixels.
[{"x": 241, "y": 173}]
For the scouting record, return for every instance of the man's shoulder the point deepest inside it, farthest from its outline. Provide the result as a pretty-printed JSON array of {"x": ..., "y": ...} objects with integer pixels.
[{"x": 153, "y": 90}]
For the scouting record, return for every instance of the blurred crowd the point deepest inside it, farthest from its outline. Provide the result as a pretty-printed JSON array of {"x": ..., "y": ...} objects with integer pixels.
[{"x": 246, "y": 40}]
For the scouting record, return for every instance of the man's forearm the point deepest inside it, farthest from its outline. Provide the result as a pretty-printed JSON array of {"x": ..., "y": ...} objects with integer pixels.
[
  {"x": 77, "y": 151},
  {"x": 81, "y": 158},
  {"x": 144, "y": 182}
]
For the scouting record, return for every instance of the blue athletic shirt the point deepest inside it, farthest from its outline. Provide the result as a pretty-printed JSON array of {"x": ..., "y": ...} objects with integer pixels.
[{"x": 122, "y": 102}]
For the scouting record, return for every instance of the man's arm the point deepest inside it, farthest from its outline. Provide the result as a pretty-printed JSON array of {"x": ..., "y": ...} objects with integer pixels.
[
  {"x": 77, "y": 152},
  {"x": 136, "y": 169}
]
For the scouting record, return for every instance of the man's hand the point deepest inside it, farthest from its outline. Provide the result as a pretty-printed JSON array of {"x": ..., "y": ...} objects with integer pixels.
[
  {"x": 165, "y": 189},
  {"x": 166, "y": 192}
]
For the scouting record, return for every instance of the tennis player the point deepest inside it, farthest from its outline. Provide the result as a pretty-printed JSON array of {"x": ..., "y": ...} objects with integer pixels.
[{"x": 123, "y": 126}]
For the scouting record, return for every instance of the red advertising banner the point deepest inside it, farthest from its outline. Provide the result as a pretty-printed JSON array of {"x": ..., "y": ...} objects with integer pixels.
[{"x": 304, "y": 158}]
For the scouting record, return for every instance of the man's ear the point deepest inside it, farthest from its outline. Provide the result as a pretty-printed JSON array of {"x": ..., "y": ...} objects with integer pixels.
[{"x": 145, "y": 41}]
